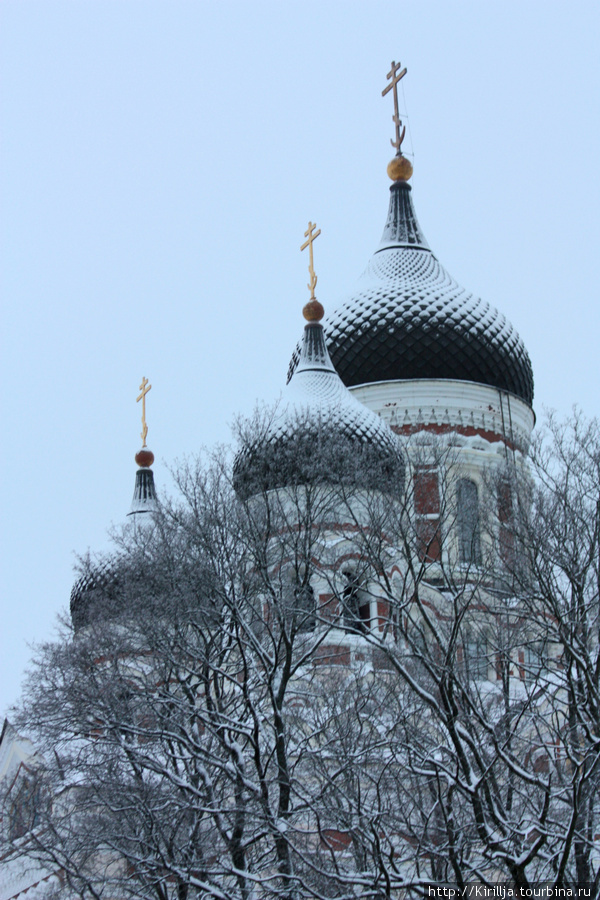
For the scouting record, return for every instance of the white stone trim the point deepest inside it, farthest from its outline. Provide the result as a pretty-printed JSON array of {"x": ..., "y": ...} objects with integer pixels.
[{"x": 454, "y": 404}]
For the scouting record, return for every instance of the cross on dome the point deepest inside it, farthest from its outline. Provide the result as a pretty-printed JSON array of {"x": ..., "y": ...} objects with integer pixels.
[
  {"x": 311, "y": 237},
  {"x": 313, "y": 310},
  {"x": 144, "y": 457},
  {"x": 144, "y": 388},
  {"x": 400, "y": 168},
  {"x": 395, "y": 77}
]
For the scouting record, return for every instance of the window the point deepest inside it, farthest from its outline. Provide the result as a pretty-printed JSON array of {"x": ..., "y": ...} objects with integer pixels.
[
  {"x": 24, "y": 807},
  {"x": 475, "y": 656},
  {"x": 357, "y": 611},
  {"x": 469, "y": 546},
  {"x": 506, "y": 537},
  {"x": 304, "y": 597},
  {"x": 533, "y": 661},
  {"x": 427, "y": 514}
]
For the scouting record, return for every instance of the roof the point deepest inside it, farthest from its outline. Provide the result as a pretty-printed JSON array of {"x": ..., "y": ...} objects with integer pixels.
[
  {"x": 319, "y": 431},
  {"x": 409, "y": 319}
]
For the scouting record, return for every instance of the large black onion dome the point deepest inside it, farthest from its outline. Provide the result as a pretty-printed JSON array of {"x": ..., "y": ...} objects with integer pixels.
[
  {"x": 319, "y": 433},
  {"x": 409, "y": 319}
]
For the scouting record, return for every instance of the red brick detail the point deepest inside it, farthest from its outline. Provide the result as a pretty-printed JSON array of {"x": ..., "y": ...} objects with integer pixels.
[
  {"x": 383, "y": 613},
  {"x": 332, "y": 656},
  {"x": 429, "y": 545},
  {"x": 427, "y": 495},
  {"x": 427, "y": 505},
  {"x": 466, "y": 430},
  {"x": 541, "y": 764},
  {"x": 335, "y": 840},
  {"x": 498, "y": 667},
  {"x": 329, "y": 606}
]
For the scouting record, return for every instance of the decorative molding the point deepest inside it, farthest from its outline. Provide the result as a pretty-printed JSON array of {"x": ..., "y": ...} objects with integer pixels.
[{"x": 441, "y": 406}]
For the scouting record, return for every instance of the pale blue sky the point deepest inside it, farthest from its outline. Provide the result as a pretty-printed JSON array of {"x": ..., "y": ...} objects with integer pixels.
[{"x": 160, "y": 161}]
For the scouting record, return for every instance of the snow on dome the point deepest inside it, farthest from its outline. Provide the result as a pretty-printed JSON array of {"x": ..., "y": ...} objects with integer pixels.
[
  {"x": 409, "y": 319},
  {"x": 96, "y": 593},
  {"x": 319, "y": 431}
]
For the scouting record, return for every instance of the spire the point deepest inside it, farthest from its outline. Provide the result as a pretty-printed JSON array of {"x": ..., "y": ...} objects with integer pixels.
[
  {"x": 313, "y": 354},
  {"x": 402, "y": 228},
  {"x": 399, "y": 168},
  {"x": 318, "y": 432},
  {"x": 144, "y": 494}
]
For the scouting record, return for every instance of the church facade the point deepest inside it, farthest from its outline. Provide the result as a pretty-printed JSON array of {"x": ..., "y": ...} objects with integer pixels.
[{"x": 429, "y": 391}]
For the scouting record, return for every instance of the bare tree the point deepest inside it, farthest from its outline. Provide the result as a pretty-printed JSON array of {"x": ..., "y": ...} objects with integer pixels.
[{"x": 330, "y": 688}]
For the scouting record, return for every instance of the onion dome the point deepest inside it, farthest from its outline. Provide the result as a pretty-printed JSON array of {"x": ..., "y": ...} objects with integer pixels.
[
  {"x": 409, "y": 319},
  {"x": 99, "y": 592},
  {"x": 96, "y": 594},
  {"x": 319, "y": 432}
]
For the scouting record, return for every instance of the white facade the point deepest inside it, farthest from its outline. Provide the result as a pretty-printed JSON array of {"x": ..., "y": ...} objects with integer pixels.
[{"x": 19, "y": 878}]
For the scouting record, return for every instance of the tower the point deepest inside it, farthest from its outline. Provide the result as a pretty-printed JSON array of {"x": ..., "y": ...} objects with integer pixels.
[
  {"x": 97, "y": 591},
  {"x": 431, "y": 359}
]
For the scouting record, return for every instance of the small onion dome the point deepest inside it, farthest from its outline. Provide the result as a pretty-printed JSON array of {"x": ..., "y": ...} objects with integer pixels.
[
  {"x": 96, "y": 594},
  {"x": 100, "y": 591},
  {"x": 111, "y": 588},
  {"x": 319, "y": 433},
  {"x": 409, "y": 319}
]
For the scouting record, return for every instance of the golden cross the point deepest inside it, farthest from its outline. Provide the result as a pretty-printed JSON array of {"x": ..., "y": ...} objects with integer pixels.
[
  {"x": 396, "y": 117},
  {"x": 144, "y": 388},
  {"x": 309, "y": 243}
]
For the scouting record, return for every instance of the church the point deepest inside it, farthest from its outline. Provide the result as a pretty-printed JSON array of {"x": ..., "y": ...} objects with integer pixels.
[{"x": 412, "y": 388}]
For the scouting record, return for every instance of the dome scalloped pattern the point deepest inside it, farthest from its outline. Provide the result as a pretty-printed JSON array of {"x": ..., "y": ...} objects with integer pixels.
[
  {"x": 323, "y": 401},
  {"x": 409, "y": 319},
  {"x": 93, "y": 592},
  {"x": 318, "y": 430}
]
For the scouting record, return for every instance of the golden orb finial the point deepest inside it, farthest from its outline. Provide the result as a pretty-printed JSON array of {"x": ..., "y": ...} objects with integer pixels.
[
  {"x": 313, "y": 311},
  {"x": 144, "y": 458},
  {"x": 399, "y": 168}
]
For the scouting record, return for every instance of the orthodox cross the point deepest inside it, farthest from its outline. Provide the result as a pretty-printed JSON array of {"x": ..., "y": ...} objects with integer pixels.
[
  {"x": 395, "y": 78},
  {"x": 144, "y": 388},
  {"x": 309, "y": 243}
]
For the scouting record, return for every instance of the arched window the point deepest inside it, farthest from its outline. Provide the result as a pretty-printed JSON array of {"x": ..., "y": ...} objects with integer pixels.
[
  {"x": 506, "y": 535},
  {"x": 469, "y": 545},
  {"x": 304, "y": 597},
  {"x": 357, "y": 608},
  {"x": 24, "y": 807}
]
